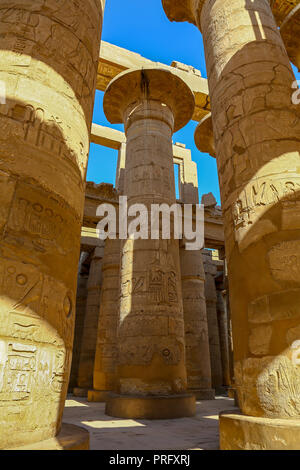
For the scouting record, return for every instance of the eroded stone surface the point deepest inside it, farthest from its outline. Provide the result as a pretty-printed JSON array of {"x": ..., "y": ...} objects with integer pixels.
[
  {"x": 48, "y": 60},
  {"x": 256, "y": 130}
]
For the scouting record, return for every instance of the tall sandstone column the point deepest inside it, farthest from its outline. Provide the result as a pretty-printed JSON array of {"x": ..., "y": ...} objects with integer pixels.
[
  {"x": 152, "y": 103},
  {"x": 48, "y": 61},
  {"x": 89, "y": 336},
  {"x": 80, "y": 306},
  {"x": 212, "y": 321},
  {"x": 104, "y": 376},
  {"x": 257, "y": 137},
  {"x": 223, "y": 335},
  {"x": 195, "y": 324}
]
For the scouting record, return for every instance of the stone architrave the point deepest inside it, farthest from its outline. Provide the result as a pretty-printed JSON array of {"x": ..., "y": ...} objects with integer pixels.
[
  {"x": 256, "y": 130},
  {"x": 49, "y": 54},
  {"x": 152, "y": 382}
]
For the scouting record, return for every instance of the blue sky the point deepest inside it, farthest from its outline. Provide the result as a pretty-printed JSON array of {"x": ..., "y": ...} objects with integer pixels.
[{"x": 146, "y": 30}]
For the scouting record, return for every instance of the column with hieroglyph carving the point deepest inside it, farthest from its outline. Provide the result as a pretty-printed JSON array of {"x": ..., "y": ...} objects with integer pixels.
[
  {"x": 257, "y": 134},
  {"x": 49, "y": 57},
  {"x": 151, "y": 349}
]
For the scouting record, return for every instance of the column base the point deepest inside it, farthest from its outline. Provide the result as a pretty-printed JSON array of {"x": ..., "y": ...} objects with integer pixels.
[
  {"x": 151, "y": 407},
  {"x": 241, "y": 432},
  {"x": 80, "y": 392},
  {"x": 203, "y": 393},
  {"x": 100, "y": 396},
  {"x": 232, "y": 393},
  {"x": 221, "y": 391},
  {"x": 70, "y": 438}
]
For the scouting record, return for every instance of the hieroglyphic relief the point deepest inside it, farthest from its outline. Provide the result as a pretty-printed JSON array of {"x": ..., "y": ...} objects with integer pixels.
[
  {"x": 149, "y": 178},
  {"x": 284, "y": 260},
  {"x": 278, "y": 388},
  {"x": 263, "y": 193},
  {"x": 158, "y": 285},
  {"x": 45, "y": 131},
  {"x": 30, "y": 299},
  {"x": 43, "y": 27},
  {"x": 149, "y": 309},
  {"x": 17, "y": 367},
  {"x": 39, "y": 225}
]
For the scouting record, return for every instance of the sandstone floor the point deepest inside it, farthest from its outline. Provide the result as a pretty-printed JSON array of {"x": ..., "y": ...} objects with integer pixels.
[{"x": 199, "y": 432}]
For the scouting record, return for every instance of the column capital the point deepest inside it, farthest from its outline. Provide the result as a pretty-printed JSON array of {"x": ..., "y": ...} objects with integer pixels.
[
  {"x": 155, "y": 84},
  {"x": 204, "y": 137},
  {"x": 183, "y": 10}
]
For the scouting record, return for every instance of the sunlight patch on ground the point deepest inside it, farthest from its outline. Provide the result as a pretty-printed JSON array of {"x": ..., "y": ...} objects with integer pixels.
[
  {"x": 211, "y": 417},
  {"x": 74, "y": 403},
  {"x": 130, "y": 423}
]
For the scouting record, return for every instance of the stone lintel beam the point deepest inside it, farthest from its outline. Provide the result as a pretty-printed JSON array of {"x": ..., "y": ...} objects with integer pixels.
[
  {"x": 204, "y": 137},
  {"x": 107, "y": 137},
  {"x": 111, "y": 138},
  {"x": 114, "y": 60},
  {"x": 213, "y": 226}
]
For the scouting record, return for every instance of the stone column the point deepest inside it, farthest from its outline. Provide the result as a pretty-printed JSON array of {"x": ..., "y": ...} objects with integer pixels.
[
  {"x": 121, "y": 169},
  {"x": 212, "y": 320},
  {"x": 195, "y": 323},
  {"x": 151, "y": 360},
  {"x": 257, "y": 137},
  {"x": 81, "y": 296},
  {"x": 104, "y": 380},
  {"x": 48, "y": 62},
  {"x": 89, "y": 336},
  {"x": 223, "y": 334}
]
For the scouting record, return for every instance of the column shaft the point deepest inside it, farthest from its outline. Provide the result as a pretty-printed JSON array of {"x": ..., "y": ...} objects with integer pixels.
[
  {"x": 212, "y": 320},
  {"x": 105, "y": 379},
  {"x": 151, "y": 335},
  {"x": 81, "y": 296},
  {"x": 257, "y": 131},
  {"x": 48, "y": 62},
  {"x": 223, "y": 335},
  {"x": 195, "y": 324},
  {"x": 151, "y": 350},
  {"x": 89, "y": 337}
]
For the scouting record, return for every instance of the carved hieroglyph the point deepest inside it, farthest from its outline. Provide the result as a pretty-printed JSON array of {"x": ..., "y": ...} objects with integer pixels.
[
  {"x": 257, "y": 140},
  {"x": 151, "y": 358},
  {"x": 48, "y": 63}
]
